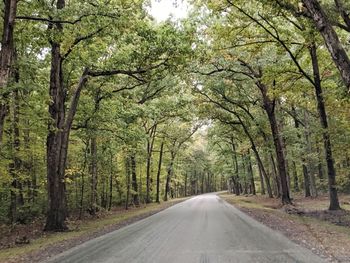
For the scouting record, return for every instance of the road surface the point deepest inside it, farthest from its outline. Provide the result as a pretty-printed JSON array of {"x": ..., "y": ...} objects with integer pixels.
[{"x": 202, "y": 229}]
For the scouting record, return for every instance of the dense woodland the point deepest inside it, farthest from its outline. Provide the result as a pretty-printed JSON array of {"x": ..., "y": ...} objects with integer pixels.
[{"x": 103, "y": 106}]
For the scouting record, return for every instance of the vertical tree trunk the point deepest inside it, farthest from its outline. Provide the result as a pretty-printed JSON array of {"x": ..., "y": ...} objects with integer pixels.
[
  {"x": 258, "y": 159},
  {"x": 244, "y": 174},
  {"x": 295, "y": 171},
  {"x": 269, "y": 106},
  {"x": 275, "y": 176},
  {"x": 93, "y": 150},
  {"x": 55, "y": 144},
  {"x": 236, "y": 180},
  {"x": 159, "y": 170},
  {"x": 251, "y": 175},
  {"x": 295, "y": 177},
  {"x": 58, "y": 132},
  {"x": 135, "y": 194},
  {"x": 311, "y": 169},
  {"x": 57, "y": 205},
  {"x": 110, "y": 182},
  {"x": 150, "y": 143},
  {"x": 333, "y": 195},
  {"x": 202, "y": 182},
  {"x": 320, "y": 164},
  {"x": 303, "y": 160},
  {"x": 127, "y": 181},
  {"x": 82, "y": 176},
  {"x": 6, "y": 55},
  {"x": 262, "y": 185},
  {"x": 169, "y": 174},
  {"x": 15, "y": 166}
]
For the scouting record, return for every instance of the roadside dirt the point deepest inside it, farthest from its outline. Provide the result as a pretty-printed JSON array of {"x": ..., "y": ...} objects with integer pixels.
[
  {"x": 307, "y": 222},
  {"x": 22, "y": 236}
]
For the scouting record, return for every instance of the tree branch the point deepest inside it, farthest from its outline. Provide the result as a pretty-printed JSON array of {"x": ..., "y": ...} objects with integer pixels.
[{"x": 80, "y": 39}]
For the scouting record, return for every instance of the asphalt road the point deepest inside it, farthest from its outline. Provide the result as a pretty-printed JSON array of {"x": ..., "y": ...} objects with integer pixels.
[{"x": 202, "y": 229}]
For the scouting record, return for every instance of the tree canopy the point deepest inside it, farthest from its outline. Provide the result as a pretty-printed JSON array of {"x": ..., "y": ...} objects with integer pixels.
[{"x": 102, "y": 106}]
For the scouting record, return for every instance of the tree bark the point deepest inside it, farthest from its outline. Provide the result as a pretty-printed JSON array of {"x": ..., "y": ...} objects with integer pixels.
[
  {"x": 320, "y": 164},
  {"x": 93, "y": 151},
  {"x": 110, "y": 182},
  {"x": 257, "y": 157},
  {"x": 169, "y": 174},
  {"x": 6, "y": 55},
  {"x": 295, "y": 177},
  {"x": 331, "y": 39},
  {"x": 251, "y": 175},
  {"x": 262, "y": 185},
  {"x": 303, "y": 160},
  {"x": 311, "y": 168},
  {"x": 15, "y": 166},
  {"x": 333, "y": 195},
  {"x": 127, "y": 181},
  {"x": 159, "y": 170},
  {"x": 269, "y": 106},
  {"x": 135, "y": 194},
  {"x": 236, "y": 180},
  {"x": 57, "y": 142},
  {"x": 343, "y": 13},
  {"x": 150, "y": 143},
  {"x": 275, "y": 176}
]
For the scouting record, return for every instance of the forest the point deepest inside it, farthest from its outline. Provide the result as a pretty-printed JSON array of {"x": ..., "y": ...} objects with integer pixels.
[{"x": 102, "y": 106}]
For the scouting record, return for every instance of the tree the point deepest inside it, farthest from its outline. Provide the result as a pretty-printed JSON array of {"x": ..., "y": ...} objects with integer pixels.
[
  {"x": 6, "y": 56},
  {"x": 331, "y": 39}
]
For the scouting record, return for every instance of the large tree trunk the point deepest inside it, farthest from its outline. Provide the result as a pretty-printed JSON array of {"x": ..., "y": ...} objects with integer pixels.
[
  {"x": 159, "y": 170},
  {"x": 58, "y": 133},
  {"x": 333, "y": 195},
  {"x": 335, "y": 48},
  {"x": 56, "y": 145},
  {"x": 57, "y": 142},
  {"x": 269, "y": 106},
  {"x": 6, "y": 55}
]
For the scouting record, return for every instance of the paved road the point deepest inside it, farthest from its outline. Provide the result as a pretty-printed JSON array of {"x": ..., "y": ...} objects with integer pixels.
[{"x": 202, "y": 229}]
